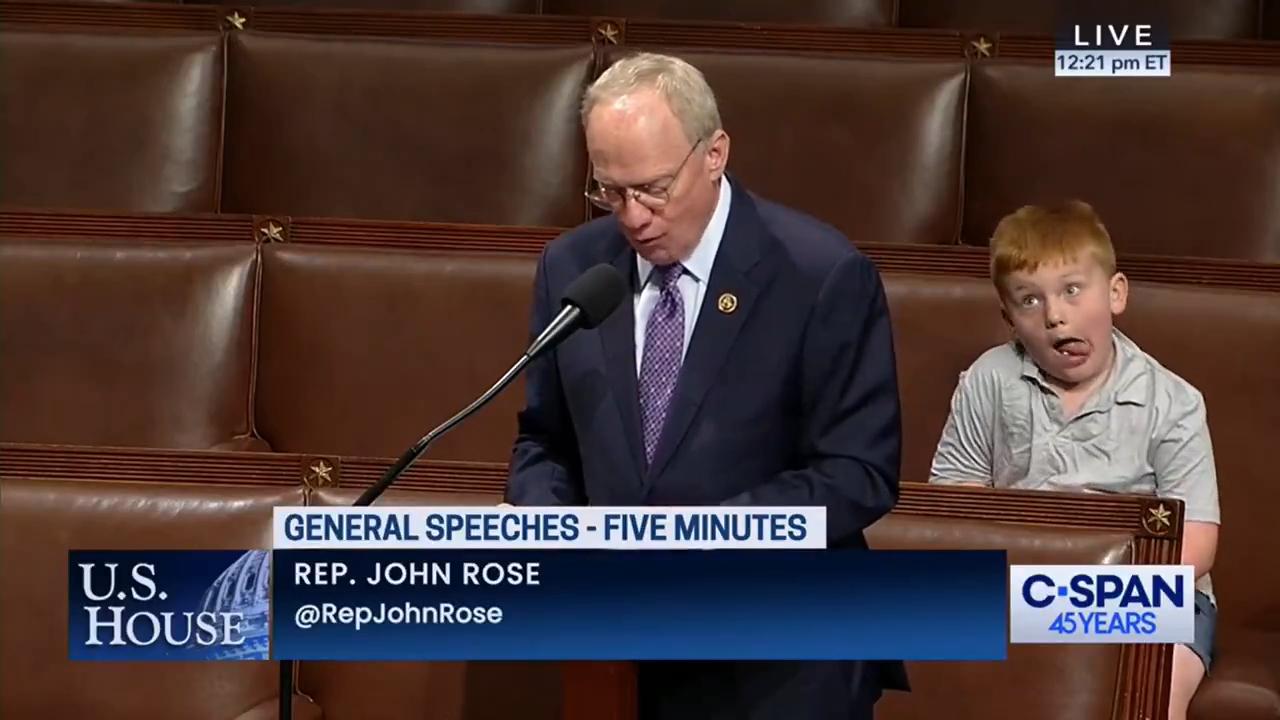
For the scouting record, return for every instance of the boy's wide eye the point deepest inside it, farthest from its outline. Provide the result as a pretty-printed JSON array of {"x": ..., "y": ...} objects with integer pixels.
[
  {"x": 1073, "y": 289},
  {"x": 1028, "y": 300}
]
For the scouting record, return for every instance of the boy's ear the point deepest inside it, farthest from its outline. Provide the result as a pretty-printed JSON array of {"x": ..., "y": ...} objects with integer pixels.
[{"x": 1119, "y": 293}]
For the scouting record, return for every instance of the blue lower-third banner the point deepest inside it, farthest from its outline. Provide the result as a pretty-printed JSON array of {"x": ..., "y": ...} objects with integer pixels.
[
  {"x": 631, "y": 605},
  {"x": 200, "y": 605},
  {"x": 175, "y": 605}
]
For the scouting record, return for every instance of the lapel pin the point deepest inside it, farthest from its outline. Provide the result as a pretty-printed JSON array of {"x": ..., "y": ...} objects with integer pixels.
[{"x": 727, "y": 303}]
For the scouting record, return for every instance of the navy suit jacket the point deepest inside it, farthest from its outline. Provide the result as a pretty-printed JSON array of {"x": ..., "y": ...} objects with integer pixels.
[{"x": 791, "y": 399}]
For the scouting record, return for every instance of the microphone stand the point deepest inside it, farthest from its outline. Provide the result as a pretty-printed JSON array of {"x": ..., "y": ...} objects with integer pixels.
[{"x": 407, "y": 459}]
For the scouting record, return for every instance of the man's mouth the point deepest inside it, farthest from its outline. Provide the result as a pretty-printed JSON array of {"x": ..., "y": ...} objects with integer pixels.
[{"x": 1071, "y": 347}]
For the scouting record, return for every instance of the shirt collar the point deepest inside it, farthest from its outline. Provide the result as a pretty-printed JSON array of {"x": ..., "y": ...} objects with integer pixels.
[
  {"x": 703, "y": 257},
  {"x": 1128, "y": 382},
  {"x": 1133, "y": 379}
]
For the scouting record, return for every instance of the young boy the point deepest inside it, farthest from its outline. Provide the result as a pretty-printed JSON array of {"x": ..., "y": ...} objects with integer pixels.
[{"x": 1072, "y": 404}]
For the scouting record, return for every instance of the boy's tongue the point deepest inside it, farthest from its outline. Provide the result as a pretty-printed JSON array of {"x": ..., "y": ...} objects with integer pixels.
[{"x": 1072, "y": 347}]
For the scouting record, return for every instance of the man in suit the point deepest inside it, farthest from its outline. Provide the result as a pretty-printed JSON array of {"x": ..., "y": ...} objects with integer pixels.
[{"x": 752, "y": 365}]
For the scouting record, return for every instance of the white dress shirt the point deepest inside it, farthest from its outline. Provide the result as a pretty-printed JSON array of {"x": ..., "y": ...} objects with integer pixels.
[{"x": 692, "y": 283}]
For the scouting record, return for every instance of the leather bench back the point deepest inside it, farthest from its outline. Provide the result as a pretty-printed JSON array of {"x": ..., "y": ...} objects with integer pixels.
[
  {"x": 405, "y": 129},
  {"x": 471, "y": 126},
  {"x": 869, "y": 145},
  {"x": 1185, "y": 166},
  {"x": 41, "y": 520},
  {"x": 1043, "y": 681},
  {"x": 363, "y": 350},
  {"x": 940, "y": 326},
  {"x": 126, "y": 343},
  {"x": 111, "y": 120}
]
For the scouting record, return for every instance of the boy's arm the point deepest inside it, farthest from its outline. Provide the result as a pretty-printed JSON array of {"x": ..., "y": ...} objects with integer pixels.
[
  {"x": 1184, "y": 467},
  {"x": 1199, "y": 545},
  {"x": 963, "y": 456}
]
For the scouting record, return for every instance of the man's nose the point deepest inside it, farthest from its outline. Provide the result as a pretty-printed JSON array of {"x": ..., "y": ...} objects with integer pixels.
[{"x": 633, "y": 214}]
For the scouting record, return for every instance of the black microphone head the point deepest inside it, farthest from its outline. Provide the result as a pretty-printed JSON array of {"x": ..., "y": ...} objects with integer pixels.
[{"x": 597, "y": 293}]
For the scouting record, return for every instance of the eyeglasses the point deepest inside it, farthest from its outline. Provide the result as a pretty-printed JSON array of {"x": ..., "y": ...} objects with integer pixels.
[{"x": 652, "y": 195}]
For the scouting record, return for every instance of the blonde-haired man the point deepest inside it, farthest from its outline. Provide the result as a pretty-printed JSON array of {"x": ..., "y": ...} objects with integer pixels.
[
  {"x": 1072, "y": 404},
  {"x": 753, "y": 366}
]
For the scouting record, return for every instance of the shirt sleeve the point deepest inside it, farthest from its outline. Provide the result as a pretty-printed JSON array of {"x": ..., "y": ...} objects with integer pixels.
[
  {"x": 964, "y": 451},
  {"x": 1182, "y": 458}
]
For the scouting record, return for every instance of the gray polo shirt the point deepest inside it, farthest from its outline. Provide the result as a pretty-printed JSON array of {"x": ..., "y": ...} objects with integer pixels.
[{"x": 1144, "y": 432}]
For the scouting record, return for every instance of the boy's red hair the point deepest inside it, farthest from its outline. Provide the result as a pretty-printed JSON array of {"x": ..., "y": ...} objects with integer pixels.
[{"x": 1038, "y": 234}]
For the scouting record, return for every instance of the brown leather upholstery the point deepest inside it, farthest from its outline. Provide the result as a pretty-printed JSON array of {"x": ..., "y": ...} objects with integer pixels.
[
  {"x": 436, "y": 690},
  {"x": 124, "y": 343},
  {"x": 848, "y": 13},
  {"x": 1041, "y": 681},
  {"x": 115, "y": 120},
  {"x": 940, "y": 326},
  {"x": 1245, "y": 684},
  {"x": 1220, "y": 340},
  {"x": 362, "y": 351},
  {"x": 1182, "y": 18},
  {"x": 1184, "y": 166},
  {"x": 405, "y": 129},
  {"x": 872, "y": 146},
  {"x": 41, "y": 520}
]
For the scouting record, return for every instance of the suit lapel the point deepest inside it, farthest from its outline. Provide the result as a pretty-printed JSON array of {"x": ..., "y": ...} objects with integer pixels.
[
  {"x": 738, "y": 277},
  {"x": 617, "y": 335}
]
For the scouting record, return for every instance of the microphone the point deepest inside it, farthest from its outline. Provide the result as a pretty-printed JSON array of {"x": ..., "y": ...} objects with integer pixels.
[{"x": 589, "y": 299}]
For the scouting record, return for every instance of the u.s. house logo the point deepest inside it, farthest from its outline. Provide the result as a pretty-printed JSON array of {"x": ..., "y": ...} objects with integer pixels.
[
  {"x": 169, "y": 604},
  {"x": 1101, "y": 604}
]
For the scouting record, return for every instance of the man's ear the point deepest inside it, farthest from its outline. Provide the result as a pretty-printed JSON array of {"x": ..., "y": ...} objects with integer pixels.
[
  {"x": 717, "y": 158},
  {"x": 1118, "y": 293}
]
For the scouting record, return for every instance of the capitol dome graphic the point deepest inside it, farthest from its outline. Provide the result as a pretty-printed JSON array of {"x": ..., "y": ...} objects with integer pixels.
[{"x": 244, "y": 588}]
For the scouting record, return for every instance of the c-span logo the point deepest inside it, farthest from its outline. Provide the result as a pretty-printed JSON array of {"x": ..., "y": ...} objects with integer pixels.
[{"x": 1101, "y": 604}]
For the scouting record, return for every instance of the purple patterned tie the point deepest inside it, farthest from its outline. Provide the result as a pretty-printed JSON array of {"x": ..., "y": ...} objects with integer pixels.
[{"x": 663, "y": 348}]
